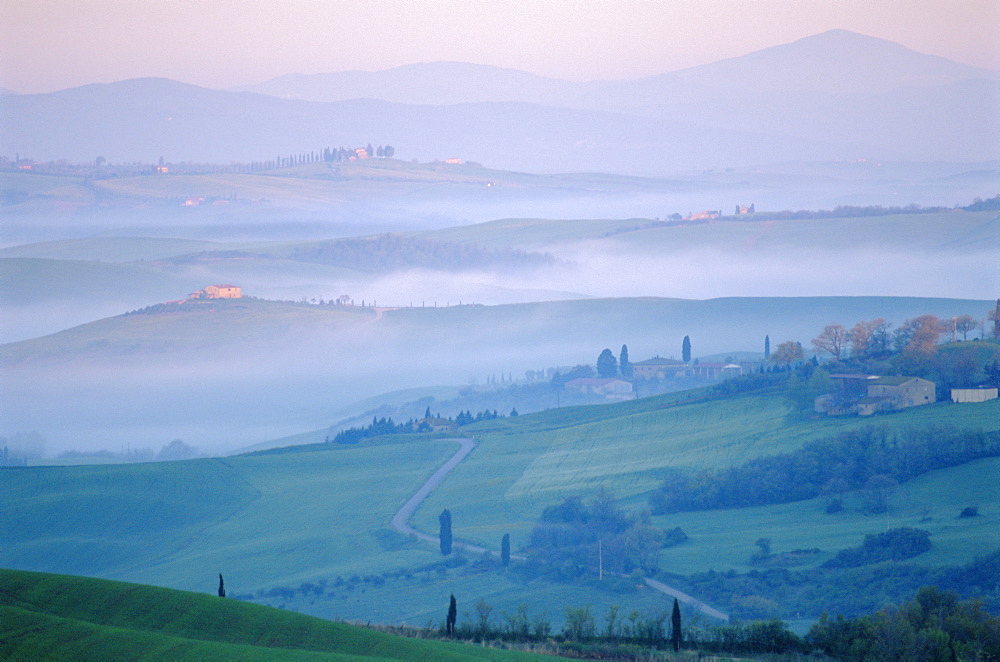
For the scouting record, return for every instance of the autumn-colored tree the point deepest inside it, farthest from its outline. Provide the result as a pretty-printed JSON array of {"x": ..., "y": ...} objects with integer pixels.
[
  {"x": 869, "y": 337},
  {"x": 788, "y": 352},
  {"x": 832, "y": 339},
  {"x": 919, "y": 336}
]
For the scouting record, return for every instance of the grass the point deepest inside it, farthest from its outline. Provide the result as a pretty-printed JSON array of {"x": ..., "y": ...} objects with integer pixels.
[
  {"x": 904, "y": 232},
  {"x": 723, "y": 540},
  {"x": 64, "y": 617},
  {"x": 190, "y": 329},
  {"x": 111, "y": 249},
  {"x": 288, "y": 520},
  {"x": 520, "y": 467}
]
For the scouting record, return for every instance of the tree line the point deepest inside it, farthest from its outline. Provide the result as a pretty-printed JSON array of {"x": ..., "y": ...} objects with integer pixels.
[{"x": 867, "y": 460}]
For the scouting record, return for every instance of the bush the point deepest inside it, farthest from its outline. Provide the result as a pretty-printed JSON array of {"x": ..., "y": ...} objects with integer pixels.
[{"x": 893, "y": 545}]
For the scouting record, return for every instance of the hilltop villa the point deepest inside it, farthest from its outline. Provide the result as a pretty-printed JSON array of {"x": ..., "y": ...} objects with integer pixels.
[
  {"x": 218, "y": 292},
  {"x": 658, "y": 368}
]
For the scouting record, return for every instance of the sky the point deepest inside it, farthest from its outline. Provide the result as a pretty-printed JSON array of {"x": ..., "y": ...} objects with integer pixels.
[{"x": 47, "y": 45}]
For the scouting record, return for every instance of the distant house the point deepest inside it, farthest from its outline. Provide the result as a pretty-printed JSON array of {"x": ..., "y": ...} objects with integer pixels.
[
  {"x": 713, "y": 370},
  {"x": 658, "y": 368},
  {"x": 967, "y": 395},
  {"x": 454, "y": 161},
  {"x": 706, "y": 215},
  {"x": 218, "y": 292},
  {"x": 615, "y": 389}
]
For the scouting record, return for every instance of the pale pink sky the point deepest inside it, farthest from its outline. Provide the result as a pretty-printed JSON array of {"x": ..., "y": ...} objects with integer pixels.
[{"x": 53, "y": 44}]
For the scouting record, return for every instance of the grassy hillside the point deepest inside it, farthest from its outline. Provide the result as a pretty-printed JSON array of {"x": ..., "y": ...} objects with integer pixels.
[
  {"x": 187, "y": 328},
  {"x": 64, "y": 617},
  {"x": 310, "y": 529},
  {"x": 953, "y": 231},
  {"x": 110, "y": 249}
]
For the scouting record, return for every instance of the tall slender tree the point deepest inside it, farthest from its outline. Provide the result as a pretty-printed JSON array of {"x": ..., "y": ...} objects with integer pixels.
[
  {"x": 686, "y": 349},
  {"x": 675, "y": 626},
  {"x": 222, "y": 587},
  {"x": 767, "y": 347},
  {"x": 624, "y": 365},
  {"x": 445, "y": 520},
  {"x": 452, "y": 615},
  {"x": 505, "y": 550}
]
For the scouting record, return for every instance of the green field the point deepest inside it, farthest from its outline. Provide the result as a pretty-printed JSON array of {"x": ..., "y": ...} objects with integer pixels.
[
  {"x": 45, "y": 616},
  {"x": 321, "y": 514},
  {"x": 950, "y": 231}
]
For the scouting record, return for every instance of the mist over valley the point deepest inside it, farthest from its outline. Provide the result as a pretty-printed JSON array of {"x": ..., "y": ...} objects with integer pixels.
[{"x": 722, "y": 339}]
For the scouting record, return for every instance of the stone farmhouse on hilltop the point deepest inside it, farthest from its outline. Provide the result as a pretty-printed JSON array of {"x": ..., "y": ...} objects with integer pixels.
[{"x": 218, "y": 292}]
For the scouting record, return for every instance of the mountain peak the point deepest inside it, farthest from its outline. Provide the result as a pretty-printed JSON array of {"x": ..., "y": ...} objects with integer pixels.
[{"x": 835, "y": 61}]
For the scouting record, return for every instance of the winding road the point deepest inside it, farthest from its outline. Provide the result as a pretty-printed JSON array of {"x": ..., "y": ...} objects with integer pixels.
[{"x": 400, "y": 522}]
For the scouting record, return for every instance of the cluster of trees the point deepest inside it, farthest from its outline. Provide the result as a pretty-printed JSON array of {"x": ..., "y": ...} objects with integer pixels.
[
  {"x": 893, "y": 545},
  {"x": 393, "y": 251},
  {"x": 848, "y": 591},
  {"x": 467, "y": 418},
  {"x": 581, "y": 625},
  {"x": 870, "y": 460},
  {"x": 934, "y": 625},
  {"x": 386, "y": 426},
  {"x": 340, "y": 154},
  {"x": 574, "y": 537},
  {"x": 377, "y": 428}
]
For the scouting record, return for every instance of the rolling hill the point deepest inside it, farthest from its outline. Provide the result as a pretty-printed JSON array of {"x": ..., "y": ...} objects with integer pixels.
[
  {"x": 280, "y": 524},
  {"x": 63, "y": 617}
]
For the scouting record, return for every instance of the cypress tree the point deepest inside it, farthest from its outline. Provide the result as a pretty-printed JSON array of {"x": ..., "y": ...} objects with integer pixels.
[
  {"x": 686, "y": 349},
  {"x": 505, "y": 550},
  {"x": 624, "y": 365},
  {"x": 222, "y": 587},
  {"x": 767, "y": 347},
  {"x": 675, "y": 626},
  {"x": 445, "y": 520},
  {"x": 452, "y": 615}
]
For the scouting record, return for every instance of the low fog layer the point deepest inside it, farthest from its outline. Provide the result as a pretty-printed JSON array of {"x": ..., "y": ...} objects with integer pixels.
[{"x": 229, "y": 392}]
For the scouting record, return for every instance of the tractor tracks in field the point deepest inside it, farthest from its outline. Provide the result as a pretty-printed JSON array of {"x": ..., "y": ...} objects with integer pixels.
[{"x": 401, "y": 523}]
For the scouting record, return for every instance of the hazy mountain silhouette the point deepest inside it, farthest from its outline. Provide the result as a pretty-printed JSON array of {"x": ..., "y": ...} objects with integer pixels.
[{"x": 837, "y": 95}]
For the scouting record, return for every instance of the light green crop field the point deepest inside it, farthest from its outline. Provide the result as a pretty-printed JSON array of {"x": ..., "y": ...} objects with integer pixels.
[
  {"x": 34, "y": 184},
  {"x": 29, "y": 280},
  {"x": 724, "y": 539},
  {"x": 956, "y": 230},
  {"x": 111, "y": 249},
  {"x": 507, "y": 481},
  {"x": 262, "y": 520},
  {"x": 46, "y": 616}
]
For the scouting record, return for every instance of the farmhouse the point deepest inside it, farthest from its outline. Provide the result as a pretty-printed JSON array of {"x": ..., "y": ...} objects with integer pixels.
[
  {"x": 614, "y": 389},
  {"x": 714, "y": 370},
  {"x": 658, "y": 368},
  {"x": 865, "y": 395},
  {"x": 218, "y": 292}
]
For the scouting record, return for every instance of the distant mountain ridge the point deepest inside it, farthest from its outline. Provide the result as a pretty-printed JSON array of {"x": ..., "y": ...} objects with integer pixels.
[
  {"x": 834, "y": 96},
  {"x": 837, "y": 61}
]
